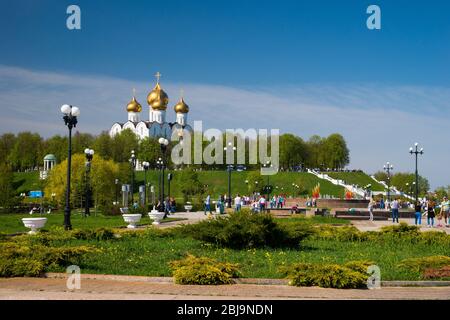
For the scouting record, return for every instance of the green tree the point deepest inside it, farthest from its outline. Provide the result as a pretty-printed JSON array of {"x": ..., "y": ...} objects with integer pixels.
[
  {"x": 380, "y": 176},
  {"x": 122, "y": 145},
  {"x": 334, "y": 152},
  {"x": 7, "y": 142},
  {"x": 314, "y": 147},
  {"x": 293, "y": 151},
  {"x": 400, "y": 179},
  {"x": 190, "y": 184},
  {"x": 102, "y": 176},
  {"x": 150, "y": 150},
  {"x": 81, "y": 141},
  {"x": 56, "y": 145},
  {"x": 103, "y": 145},
  {"x": 27, "y": 151},
  {"x": 255, "y": 182},
  {"x": 442, "y": 192},
  {"x": 8, "y": 197}
]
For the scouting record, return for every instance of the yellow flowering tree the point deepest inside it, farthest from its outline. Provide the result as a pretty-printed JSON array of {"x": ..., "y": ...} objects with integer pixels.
[{"x": 102, "y": 175}]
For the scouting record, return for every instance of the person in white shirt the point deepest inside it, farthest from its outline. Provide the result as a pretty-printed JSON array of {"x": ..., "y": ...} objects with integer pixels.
[
  {"x": 395, "y": 206},
  {"x": 238, "y": 203},
  {"x": 262, "y": 204}
]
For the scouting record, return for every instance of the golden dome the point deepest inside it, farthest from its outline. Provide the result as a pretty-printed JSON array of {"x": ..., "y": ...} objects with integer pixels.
[
  {"x": 181, "y": 107},
  {"x": 157, "y": 98},
  {"x": 134, "y": 106}
]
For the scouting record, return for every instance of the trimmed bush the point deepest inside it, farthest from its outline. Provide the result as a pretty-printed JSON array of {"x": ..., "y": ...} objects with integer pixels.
[
  {"x": 420, "y": 264},
  {"x": 437, "y": 273},
  {"x": 247, "y": 230},
  {"x": 203, "y": 271},
  {"x": 25, "y": 256},
  {"x": 98, "y": 234},
  {"x": 351, "y": 275}
]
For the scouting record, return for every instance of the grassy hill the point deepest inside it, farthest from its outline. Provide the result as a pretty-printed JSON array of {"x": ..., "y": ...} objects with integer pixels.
[
  {"x": 217, "y": 182},
  {"x": 359, "y": 178}
]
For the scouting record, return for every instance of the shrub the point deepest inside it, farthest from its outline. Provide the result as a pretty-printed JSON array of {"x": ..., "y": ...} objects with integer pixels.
[
  {"x": 247, "y": 230},
  {"x": 437, "y": 273},
  {"x": 21, "y": 267},
  {"x": 27, "y": 257},
  {"x": 349, "y": 276},
  {"x": 203, "y": 271},
  {"x": 344, "y": 233},
  {"x": 94, "y": 234},
  {"x": 420, "y": 264},
  {"x": 400, "y": 228}
]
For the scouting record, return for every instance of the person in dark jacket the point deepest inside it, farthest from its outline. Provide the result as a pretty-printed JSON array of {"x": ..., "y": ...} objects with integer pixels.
[
  {"x": 431, "y": 213},
  {"x": 418, "y": 214}
]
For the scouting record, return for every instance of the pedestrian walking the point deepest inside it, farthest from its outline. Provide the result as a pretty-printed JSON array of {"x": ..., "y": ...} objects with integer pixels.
[
  {"x": 262, "y": 204},
  {"x": 237, "y": 203},
  {"x": 430, "y": 213},
  {"x": 394, "y": 207},
  {"x": 370, "y": 208},
  {"x": 418, "y": 214},
  {"x": 445, "y": 208},
  {"x": 208, "y": 204}
]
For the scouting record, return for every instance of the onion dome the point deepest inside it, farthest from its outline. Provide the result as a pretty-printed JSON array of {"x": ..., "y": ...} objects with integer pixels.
[
  {"x": 134, "y": 106},
  {"x": 181, "y": 107},
  {"x": 158, "y": 98}
]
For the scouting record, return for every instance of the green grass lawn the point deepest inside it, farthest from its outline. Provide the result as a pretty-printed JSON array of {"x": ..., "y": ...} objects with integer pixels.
[
  {"x": 359, "y": 178},
  {"x": 12, "y": 223},
  {"x": 150, "y": 257},
  {"x": 150, "y": 253}
]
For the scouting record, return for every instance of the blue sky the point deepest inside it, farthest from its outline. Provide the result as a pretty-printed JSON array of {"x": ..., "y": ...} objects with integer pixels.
[{"x": 312, "y": 63}]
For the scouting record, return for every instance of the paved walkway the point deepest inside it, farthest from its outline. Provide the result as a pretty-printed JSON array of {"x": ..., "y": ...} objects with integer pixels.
[
  {"x": 366, "y": 225},
  {"x": 95, "y": 289}
]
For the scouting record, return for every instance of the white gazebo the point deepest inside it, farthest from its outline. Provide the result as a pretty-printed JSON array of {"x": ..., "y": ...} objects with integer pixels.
[{"x": 49, "y": 163}]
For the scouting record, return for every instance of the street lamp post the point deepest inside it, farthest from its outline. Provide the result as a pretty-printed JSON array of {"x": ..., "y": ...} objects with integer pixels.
[
  {"x": 388, "y": 168},
  {"x": 70, "y": 120},
  {"x": 89, "y": 153},
  {"x": 146, "y": 166},
  {"x": 163, "y": 142},
  {"x": 116, "y": 182},
  {"x": 133, "y": 161},
  {"x": 415, "y": 151},
  {"x": 229, "y": 148}
]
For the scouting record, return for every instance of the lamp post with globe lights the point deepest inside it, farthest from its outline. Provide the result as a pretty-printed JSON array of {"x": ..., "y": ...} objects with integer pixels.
[
  {"x": 133, "y": 162},
  {"x": 229, "y": 148},
  {"x": 416, "y": 151},
  {"x": 146, "y": 166},
  {"x": 89, "y": 153},
  {"x": 388, "y": 168},
  {"x": 70, "y": 120},
  {"x": 163, "y": 143}
]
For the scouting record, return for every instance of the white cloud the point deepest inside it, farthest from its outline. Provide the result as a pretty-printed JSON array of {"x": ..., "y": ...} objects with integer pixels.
[{"x": 379, "y": 122}]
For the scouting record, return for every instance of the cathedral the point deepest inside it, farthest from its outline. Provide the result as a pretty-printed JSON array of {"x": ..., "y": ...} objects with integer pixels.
[{"x": 156, "y": 126}]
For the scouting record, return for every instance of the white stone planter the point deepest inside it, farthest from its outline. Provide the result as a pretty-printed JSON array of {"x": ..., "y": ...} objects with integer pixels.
[
  {"x": 34, "y": 224},
  {"x": 156, "y": 216},
  {"x": 188, "y": 207},
  {"x": 132, "y": 219}
]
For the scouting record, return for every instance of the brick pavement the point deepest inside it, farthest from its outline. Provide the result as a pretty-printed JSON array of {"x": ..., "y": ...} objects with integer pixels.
[{"x": 94, "y": 289}]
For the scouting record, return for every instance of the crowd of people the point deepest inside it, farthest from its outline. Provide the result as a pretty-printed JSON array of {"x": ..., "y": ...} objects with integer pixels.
[
  {"x": 425, "y": 207},
  {"x": 256, "y": 202}
]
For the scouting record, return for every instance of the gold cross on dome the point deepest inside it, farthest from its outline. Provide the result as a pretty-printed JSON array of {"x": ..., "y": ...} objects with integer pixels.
[
  {"x": 158, "y": 75},
  {"x": 134, "y": 92}
]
